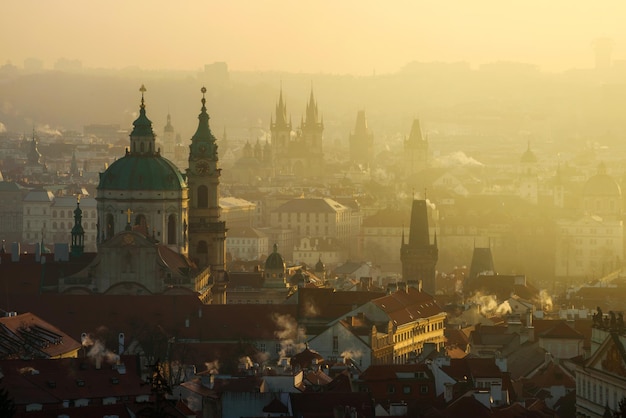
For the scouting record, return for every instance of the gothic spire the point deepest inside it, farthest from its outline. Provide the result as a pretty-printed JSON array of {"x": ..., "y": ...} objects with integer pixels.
[{"x": 78, "y": 233}]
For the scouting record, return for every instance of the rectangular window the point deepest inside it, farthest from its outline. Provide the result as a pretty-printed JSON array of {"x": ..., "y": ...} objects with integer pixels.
[
  {"x": 423, "y": 390},
  {"x": 391, "y": 389},
  {"x": 335, "y": 343},
  {"x": 406, "y": 389}
]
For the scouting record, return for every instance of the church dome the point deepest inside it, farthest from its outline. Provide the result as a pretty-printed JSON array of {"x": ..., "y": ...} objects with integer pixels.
[
  {"x": 601, "y": 185},
  {"x": 142, "y": 168},
  {"x": 136, "y": 172},
  {"x": 275, "y": 261}
]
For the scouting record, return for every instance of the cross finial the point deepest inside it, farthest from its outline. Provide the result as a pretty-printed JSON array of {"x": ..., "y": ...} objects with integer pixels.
[
  {"x": 128, "y": 213},
  {"x": 142, "y": 89}
]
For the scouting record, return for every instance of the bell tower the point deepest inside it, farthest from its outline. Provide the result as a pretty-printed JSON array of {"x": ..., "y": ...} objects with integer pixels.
[
  {"x": 418, "y": 256},
  {"x": 207, "y": 234},
  {"x": 280, "y": 129}
]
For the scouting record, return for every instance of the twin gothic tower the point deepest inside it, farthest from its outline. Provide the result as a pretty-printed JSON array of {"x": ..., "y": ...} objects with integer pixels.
[{"x": 147, "y": 193}]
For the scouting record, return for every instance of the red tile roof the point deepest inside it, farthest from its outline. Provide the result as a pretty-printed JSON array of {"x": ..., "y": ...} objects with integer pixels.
[
  {"x": 324, "y": 304},
  {"x": 27, "y": 276},
  {"x": 552, "y": 375},
  {"x": 322, "y": 405},
  {"x": 28, "y": 335},
  {"x": 53, "y": 381},
  {"x": 404, "y": 307},
  {"x": 472, "y": 367},
  {"x": 561, "y": 330}
]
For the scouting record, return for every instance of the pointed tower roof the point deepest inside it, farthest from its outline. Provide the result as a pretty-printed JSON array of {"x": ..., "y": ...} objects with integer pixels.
[
  {"x": 34, "y": 155},
  {"x": 416, "y": 132},
  {"x": 168, "y": 125},
  {"x": 74, "y": 164},
  {"x": 78, "y": 233},
  {"x": 281, "y": 111},
  {"x": 482, "y": 261},
  {"x": 360, "y": 127},
  {"x": 419, "y": 236},
  {"x": 203, "y": 143},
  {"x": 142, "y": 126},
  {"x": 528, "y": 157},
  {"x": 203, "y": 132},
  {"x": 312, "y": 116}
]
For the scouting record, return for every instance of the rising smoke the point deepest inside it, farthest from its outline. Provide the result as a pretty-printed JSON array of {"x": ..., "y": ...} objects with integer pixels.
[{"x": 292, "y": 337}]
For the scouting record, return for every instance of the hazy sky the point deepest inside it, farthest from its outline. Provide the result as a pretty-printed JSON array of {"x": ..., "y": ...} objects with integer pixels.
[{"x": 333, "y": 36}]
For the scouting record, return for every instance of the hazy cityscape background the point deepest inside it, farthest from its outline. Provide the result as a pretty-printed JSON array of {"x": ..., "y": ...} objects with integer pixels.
[{"x": 491, "y": 133}]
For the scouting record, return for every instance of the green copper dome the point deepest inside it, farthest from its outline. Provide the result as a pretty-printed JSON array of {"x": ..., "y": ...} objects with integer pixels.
[
  {"x": 142, "y": 168},
  {"x": 134, "y": 172}
]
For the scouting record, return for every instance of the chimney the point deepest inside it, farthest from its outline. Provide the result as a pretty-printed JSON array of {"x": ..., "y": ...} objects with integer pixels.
[
  {"x": 15, "y": 252},
  {"x": 120, "y": 339}
]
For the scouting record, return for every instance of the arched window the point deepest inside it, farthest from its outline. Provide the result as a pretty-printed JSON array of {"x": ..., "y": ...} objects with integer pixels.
[
  {"x": 203, "y": 197},
  {"x": 140, "y": 221},
  {"x": 141, "y": 147},
  {"x": 171, "y": 230},
  {"x": 110, "y": 226}
]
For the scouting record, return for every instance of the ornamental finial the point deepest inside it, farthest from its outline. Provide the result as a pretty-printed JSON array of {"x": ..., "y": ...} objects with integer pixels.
[
  {"x": 203, "y": 90},
  {"x": 142, "y": 89}
]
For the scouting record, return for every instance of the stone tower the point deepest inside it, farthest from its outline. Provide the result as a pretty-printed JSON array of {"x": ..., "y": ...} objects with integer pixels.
[
  {"x": 207, "y": 233},
  {"x": 361, "y": 142},
  {"x": 312, "y": 130},
  {"x": 418, "y": 256}
]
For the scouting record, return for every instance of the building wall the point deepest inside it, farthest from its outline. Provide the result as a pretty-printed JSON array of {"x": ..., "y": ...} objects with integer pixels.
[
  {"x": 338, "y": 342},
  {"x": 588, "y": 247},
  {"x": 562, "y": 348}
]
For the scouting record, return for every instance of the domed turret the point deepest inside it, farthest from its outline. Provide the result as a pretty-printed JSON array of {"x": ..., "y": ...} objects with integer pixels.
[
  {"x": 275, "y": 261},
  {"x": 602, "y": 195},
  {"x": 275, "y": 270},
  {"x": 528, "y": 157}
]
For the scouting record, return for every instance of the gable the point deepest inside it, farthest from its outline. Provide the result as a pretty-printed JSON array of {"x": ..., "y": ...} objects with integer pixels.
[{"x": 610, "y": 357}]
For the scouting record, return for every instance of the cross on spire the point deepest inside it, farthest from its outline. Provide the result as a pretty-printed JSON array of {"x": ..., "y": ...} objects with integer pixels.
[{"x": 142, "y": 89}]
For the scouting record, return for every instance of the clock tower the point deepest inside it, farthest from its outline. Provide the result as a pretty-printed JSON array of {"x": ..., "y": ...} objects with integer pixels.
[{"x": 207, "y": 234}]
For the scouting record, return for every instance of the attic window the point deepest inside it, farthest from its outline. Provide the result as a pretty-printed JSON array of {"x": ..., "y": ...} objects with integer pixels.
[
  {"x": 51, "y": 383},
  {"x": 115, "y": 380},
  {"x": 80, "y": 382}
]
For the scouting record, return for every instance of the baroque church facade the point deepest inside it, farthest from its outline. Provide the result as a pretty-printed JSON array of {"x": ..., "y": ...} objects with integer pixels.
[{"x": 158, "y": 229}]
